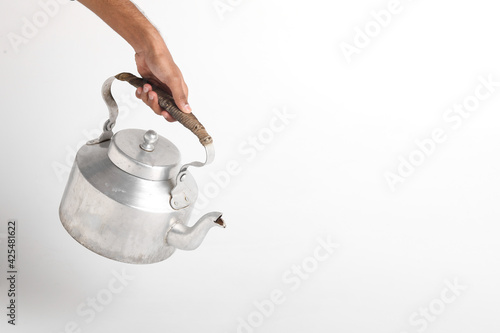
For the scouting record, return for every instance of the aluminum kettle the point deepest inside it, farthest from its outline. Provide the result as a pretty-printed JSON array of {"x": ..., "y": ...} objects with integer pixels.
[{"x": 128, "y": 198}]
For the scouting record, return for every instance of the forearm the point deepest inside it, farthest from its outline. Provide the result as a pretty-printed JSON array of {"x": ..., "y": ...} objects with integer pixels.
[
  {"x": 152, "y": 56},
  {"x": 124, "y": 17}
]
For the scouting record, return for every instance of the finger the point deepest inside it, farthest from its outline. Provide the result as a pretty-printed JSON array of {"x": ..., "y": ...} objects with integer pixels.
[
  {"x": 144, "y": 95},
  {"x": 168, "y": 116},
  {"x": 185, "y": 89},
  {"x": 153, "y": 102},
  {"x": 138, "y": 92},
  {"x": 180, "y": 98},
  {"x": 150, "y": 98}
]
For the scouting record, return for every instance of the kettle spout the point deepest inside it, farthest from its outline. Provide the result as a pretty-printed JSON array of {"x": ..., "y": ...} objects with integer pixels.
[{"x": 183, "y": 237}]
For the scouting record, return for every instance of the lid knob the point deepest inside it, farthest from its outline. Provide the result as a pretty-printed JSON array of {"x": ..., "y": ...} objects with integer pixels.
[{"x": 150, "y": 138}]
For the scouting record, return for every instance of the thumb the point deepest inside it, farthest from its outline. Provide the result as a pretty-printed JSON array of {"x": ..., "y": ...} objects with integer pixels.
[{"x": 180, "y": 98}]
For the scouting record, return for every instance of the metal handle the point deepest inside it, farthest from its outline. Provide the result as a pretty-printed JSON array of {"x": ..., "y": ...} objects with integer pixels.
[
  {"x": 180, "y": 191},
  {"x": 107, "y": 129}
]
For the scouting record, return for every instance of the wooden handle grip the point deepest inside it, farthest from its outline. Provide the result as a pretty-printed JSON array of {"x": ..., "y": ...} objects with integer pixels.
[{"x": 167, "y": 102}]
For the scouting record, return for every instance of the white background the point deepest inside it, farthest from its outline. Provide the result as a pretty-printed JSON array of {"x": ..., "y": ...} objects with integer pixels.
[{"x": 322, "y": 176}]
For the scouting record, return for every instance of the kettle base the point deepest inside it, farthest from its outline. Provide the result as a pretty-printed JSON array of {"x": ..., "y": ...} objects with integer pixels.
[{"x": 96, "y": 211}]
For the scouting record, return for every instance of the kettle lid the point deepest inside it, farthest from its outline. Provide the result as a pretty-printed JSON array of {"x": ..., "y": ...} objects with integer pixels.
[{"x": 144, "y": 154}]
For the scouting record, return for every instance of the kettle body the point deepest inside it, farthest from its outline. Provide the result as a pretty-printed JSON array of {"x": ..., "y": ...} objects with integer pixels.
[{"x": 129, "y": 199}]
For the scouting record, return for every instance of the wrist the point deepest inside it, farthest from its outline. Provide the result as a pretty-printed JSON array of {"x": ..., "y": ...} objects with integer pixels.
[{"x": 147, "y": 40}]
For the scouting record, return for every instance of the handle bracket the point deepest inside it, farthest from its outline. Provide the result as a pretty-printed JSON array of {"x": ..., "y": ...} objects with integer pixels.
[{"x": 181, "y": 193}]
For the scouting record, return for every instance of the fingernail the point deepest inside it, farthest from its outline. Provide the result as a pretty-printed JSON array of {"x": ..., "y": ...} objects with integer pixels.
[
  {"x": 139, "y": 91},
  {"x": 146, "y": 89},
  {"x": 150, "y": 96},
  {"x": 187, "y": 108}
]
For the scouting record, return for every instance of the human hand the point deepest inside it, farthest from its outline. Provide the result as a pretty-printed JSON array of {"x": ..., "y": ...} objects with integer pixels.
[{"x": 156, "y": 65}]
